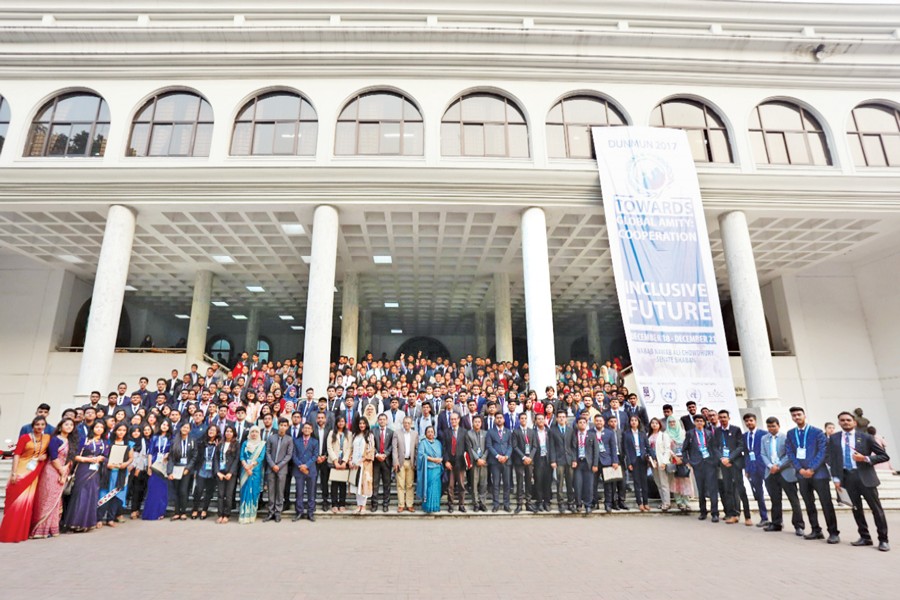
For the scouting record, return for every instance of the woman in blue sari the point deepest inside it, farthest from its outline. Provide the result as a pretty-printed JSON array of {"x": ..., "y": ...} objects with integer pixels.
[
  {"x": 158, "y": 485},
  {"x": 253, "y": 456},
  {"x": 428, "y": 471}
]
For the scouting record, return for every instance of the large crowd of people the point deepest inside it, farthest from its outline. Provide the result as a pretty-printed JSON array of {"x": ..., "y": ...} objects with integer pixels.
[{"x": 472, "y": 432}]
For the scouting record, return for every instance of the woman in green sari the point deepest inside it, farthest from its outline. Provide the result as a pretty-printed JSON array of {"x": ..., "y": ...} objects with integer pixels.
[
  {"x": 252, "y": 459},
  {"x": 429, "y": 470}
]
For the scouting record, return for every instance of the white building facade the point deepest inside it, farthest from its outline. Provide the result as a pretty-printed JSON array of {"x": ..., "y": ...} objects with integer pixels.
[{"x": 314, "y": 178}]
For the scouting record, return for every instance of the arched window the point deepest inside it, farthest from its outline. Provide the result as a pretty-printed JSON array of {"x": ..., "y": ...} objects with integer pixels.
[
  {"x": 4, "y": 120},
  {"x": 482, "y": 124},
  {"x": 705, "y": 131},
  {"x": 221, "y": 349},
  {"x": 874, "y": 135},
  {"x": 275, "y": 124},
  {"x": 380, "y": 123},
  {"x": 73, "y": 124},
  {"x": 569, "y": 125},
  {"x": 783, "y": 133},
  {"x": 263, "y": 348},
  {"x": 174, "y": 123}
]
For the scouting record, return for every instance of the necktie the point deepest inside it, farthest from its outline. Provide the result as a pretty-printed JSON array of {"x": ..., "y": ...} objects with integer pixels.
[
  {"x": 848, "y": 460},
  {"x": 381, "y": 449},
  {"x": 453, "y": 444}
]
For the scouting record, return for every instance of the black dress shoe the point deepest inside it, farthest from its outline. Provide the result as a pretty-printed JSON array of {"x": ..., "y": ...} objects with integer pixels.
[
  {"x": 326, "y": 506},
  {"x": 814, "y": 535},
  {"x": 506, "y": 508},
  {"x": 269, "y": 518},
  {"x": 384, "y": 508},
  {"x": 588, "y": 510},
  {"x": 278, "y": 518},
  {"x": 450, "y": 509},
  {"x": 297, "y": 517},
  {"x": 311, "y": 517},
  {"x": 715, "y": 519},
  {"x": 884, "y": 546},
  {"x": 462, "y": 508},
  {"x": 862, "y": 542},
  {"x": 772, "y": 527},
  {"x": 518, "y": 509},
  {"x": 495, "y": 509},
  {"x": 762, "y": 524},
  {"x": 702, "y": 516},
  {"x": 834, "y": 539},
  {"x": 609, "y": 510},
  {"x": 798, "y": 531}
]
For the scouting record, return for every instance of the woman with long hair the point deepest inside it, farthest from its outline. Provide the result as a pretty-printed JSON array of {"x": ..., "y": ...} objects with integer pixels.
[
  {"x": 429, "y": 471},
  {"x": 253, "y": 455},
  {"x": 179, "y": 468},
  {"x": 339, "y": 452},
  {"x": 114, "y": 477},
  {"x": 81, "y": 513},
  {"x": 141, "y": 447},
  {"x": 637, "y": 457},
  {"x": 663, "y": 466},
  {"x": 362, "y": 456},
  {"x": 49, "y": 500},
  {"x": 205, "y": 471},
  {"x": 227, "y": 463},
  {"x": 29, "y": 459},
  {"x": 158, "y": 484}
]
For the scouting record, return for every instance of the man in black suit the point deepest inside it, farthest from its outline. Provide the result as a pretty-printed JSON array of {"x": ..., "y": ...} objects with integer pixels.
[
  {"x": 543, "y": 475},
  {"x": 688, "y": 420},
  {"x": 321, "y": 431},
  {"x": 632, "y": 409},
  {"x": 700, "y": 452},
  {"x": 454, "y": 443},
  {"x": 381, "y": 467},
  {"x": 135, "y": 404},
  {"x": 524, "y": 451},
  {"x": 583, "y": 456},
  {"x": 729, "y": 442},
  {"x": 560, "y": 433},
  {"x": 853, "y": 455}
]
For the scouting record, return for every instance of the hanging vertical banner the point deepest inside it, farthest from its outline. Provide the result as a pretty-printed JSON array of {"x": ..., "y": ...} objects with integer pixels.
[{"x": 663, "y": 268}]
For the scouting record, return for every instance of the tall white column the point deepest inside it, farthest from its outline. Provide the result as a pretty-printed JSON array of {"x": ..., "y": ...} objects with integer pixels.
[
  {"x": 365, "y": 332},
  {"x": 320, "y": 299},
  {"x": 196, "y": 339},
  {"x": 749, "y": 318},
  {"x": 481, "y": 348},
  {"x": 593, "y": 336},
  {"x": 350, "y": 315},
  {"x": 538, "y": 305},
  {"x": 502, "y": 318},
  {"x": 251, "y": 340},
  {"x": 106, "y": 302}
]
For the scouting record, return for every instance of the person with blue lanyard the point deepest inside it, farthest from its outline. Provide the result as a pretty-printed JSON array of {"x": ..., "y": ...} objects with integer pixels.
[
  {"x": 700, "y": 452},
  {"x": 754, "y": 467},
  {"x": 806, "y": 447}
]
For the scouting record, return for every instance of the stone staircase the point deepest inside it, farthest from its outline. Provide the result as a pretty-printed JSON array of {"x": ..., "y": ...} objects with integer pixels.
[{"x": 889, "y": 491}]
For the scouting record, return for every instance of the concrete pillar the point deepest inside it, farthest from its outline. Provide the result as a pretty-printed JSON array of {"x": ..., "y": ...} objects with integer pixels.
[
  {"x": 365, "y": 332},
  {"x": 196, "y": 339},
  {"x": 350, "y": 315},
  {"x": 251, "y": 340},
  {"x": 106, "y": 302},
  {"x": 593, "y": 336},
  {"x": 481, "y": 348},
  {"x": 502, "y": 318},
  {"x": 320, "y": 299},
  {"x": 538, "y": 305},
  {"x": 749, "y": 318}
]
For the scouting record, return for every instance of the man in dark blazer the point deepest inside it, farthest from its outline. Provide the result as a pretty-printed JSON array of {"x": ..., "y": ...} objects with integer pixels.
[
  {"x": 543, "y": 474},
  {"x": 688, "y": 420},
  {"x": 382, "y": 465},
  {"x": 306, "y": 450},
  {"x": 853, "y": 456},
  {"x": 499, "y": 455},
  {"x": 279, "y": 449},
  {"x": 780, "y": 477},
  {"x": 754, "y": 468},
  {"x": 636, "y": 454},
  {"x": 582, "y": 454},
  {"x": 729, "y": 442},
  {"x": 632, "y": 408},
  {"x": 454, "y": 446},
  {"x": 607, "y": 456},
  {"x": 806, "y": 448},
  {"x": 135, "y": 404},
  {"x": 617, "y": 429},
  {"x": 560, "y": 432},
  {"x": 321, "y": 431},
  {"x": 524, "y": 452},
  {"x": 699, "y": 450}
]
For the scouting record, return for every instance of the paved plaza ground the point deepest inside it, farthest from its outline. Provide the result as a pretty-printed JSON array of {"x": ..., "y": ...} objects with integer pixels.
[{"x": 640, "y": 557}]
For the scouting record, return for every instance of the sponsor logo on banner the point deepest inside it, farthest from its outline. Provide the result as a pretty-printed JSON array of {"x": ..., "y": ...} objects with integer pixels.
[{"x": 663, "y": 268}]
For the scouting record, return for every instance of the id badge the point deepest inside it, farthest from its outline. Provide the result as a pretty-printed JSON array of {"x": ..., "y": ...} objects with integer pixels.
[
  {"x": 704, "y": 452},
  {"x": 801, "y": 453},
  {"x": 527, "y": 448},
  {"x": 207, "y": 465},
  {"x": 182, "y": 461},
  {"x": 602, "y": 448},
  {"x": 94, "y": 467},
  {"x": 753, "y": 456},
  {"x": 32, "y": 465},
  {"x": 726, "y": 452}
]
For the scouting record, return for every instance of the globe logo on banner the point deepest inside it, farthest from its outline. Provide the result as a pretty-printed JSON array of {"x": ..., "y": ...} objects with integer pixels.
[{"x": 649, "y": 175}]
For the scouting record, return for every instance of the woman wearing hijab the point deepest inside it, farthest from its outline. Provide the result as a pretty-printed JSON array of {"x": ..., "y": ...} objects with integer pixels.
[
  {"x": 362, "y": 457},
  {"x": 49, "y": 500},
  {"x": 371, "y": 415},
  {"x": 252, "y": 459},
  {"x": 680, "y": 484},
  {"x": 114, "y": 478},
  {"x": 227, "y": 463},
  {"x": 81, "y": 514},
  {"x": 158, "y": 484},
  {"x": 663, "y": 467},
  {"x": 29, "y": 460},
  {"x": 428, "y": 471}
]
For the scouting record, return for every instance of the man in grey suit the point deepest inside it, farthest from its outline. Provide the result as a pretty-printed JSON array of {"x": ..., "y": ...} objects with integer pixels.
[
  {"x": 404, "y": 446},
  {"x": 279, "y": 448},
  {"x": 780, "y": 477},
  {"x": 476, "y": 447}
]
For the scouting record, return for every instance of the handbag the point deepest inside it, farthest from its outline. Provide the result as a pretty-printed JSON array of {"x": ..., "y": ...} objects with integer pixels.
[
  {"x": 682, "y": 471},
  {"x": 671, "y": 468}
]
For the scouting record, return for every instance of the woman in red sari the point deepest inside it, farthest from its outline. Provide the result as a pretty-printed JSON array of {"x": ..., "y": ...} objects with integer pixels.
[
  {"x": 48, "y": 504},
  {"x": 28, "y": 462}
]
